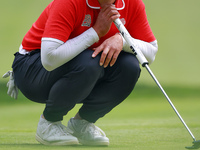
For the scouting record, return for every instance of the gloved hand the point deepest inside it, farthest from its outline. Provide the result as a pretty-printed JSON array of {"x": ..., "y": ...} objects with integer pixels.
[{"x": 12, "y": 88}]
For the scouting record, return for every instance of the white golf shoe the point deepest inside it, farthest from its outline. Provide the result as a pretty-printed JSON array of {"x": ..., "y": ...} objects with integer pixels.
[
  {"x": 87, "y": 133},
  {"x": 54, "y": 133}
]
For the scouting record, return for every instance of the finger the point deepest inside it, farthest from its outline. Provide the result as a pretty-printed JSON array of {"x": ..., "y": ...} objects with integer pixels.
[
  {"x": 114, "y": 17},
  {"x": 104, "y": 55},
  {"x": 97, "y": 51},
  {"x": 15, "y": 95},
  {"x": 8, "y": 84},
  {"x": 7, "y": 74},
  {"x": 10, "y": 89},
  {"x": 108, "y": 58},
  {"x": 12, "y": 94},
  {"x": 16, "y": 89},
  {"x": 114, "y": 58},
  {"x": 16, "y": 92},
  {"x": 111, "y": 11},
  {"x": 106, "y": 7}
]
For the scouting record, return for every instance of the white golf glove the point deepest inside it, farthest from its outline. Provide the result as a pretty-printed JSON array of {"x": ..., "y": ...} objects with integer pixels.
[{"x": 12, "y": 88}]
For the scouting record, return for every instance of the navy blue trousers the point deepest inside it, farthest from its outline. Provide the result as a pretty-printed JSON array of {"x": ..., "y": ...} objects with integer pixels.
[{"x": 81, "y": 80}]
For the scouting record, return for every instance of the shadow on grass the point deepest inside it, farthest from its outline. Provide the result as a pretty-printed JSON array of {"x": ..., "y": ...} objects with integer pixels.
[
  {"x": 22, "y": 144},
  {"x": 38, "y": 145}
]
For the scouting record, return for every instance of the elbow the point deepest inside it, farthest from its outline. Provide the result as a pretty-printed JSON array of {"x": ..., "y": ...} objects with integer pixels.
[
  {"x": 48, "y": 55},
  {"x": 151, "y": 60},
  {"x": 46, "y": 62},
  {"x": 48, "y": 66},
  {"x": 153, "y": 55}
]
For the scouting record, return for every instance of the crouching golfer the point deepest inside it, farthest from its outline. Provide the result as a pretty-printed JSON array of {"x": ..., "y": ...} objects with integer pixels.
[{"x": 74, "y": 54}]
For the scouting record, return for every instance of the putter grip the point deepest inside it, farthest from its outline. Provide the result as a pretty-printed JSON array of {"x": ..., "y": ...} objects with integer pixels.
[{"x": 137, "y": 52}]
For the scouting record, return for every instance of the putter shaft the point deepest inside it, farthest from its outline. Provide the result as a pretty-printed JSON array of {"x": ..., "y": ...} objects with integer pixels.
[
  {"x": 168, "y": 99},
  {"x": 144, "y": 62}
]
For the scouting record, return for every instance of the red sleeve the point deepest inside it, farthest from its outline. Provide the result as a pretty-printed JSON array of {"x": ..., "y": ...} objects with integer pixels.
[
  {"x": 139, "y": 27},
  {"x": 61, "y": 20}
]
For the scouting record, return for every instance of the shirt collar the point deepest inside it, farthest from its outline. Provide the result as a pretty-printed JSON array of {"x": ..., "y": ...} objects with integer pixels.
[{"x": 94, "y": 4}]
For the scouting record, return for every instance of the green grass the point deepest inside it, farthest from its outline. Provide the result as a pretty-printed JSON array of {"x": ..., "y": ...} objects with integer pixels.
[{"x": 145, "y": 120}]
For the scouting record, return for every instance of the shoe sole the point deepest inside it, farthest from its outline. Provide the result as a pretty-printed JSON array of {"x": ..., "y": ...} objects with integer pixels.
[
  {"x": 69, "y": 142},
  {"x": 93, "y": 143}
]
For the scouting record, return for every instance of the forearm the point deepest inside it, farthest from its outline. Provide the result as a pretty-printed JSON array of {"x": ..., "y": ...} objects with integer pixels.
[
  {"x": 55, "y": 53},
  {"x": 148, "y": 49}
]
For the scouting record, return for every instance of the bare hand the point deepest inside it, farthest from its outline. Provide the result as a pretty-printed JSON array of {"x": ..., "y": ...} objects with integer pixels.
[
  {"x": 106, "y": 16},
  {"x": 110, "y": 49}
]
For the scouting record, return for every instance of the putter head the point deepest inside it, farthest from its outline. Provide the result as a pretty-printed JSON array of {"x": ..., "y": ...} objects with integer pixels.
[{"x": 196, "y": 145}]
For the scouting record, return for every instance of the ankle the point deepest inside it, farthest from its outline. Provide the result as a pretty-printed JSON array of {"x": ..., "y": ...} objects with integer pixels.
[
  {"x": 42, "y": 116},
  {"x": 77, "y": 116}
]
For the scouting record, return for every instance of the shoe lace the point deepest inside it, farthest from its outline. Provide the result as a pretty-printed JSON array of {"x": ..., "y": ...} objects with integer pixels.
[
  {"x": 58, "y": 126},
  {"x": 91, "y": 128}
]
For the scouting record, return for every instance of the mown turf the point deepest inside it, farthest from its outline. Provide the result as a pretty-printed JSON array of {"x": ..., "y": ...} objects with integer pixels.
[{"x": 144, "y": 121}]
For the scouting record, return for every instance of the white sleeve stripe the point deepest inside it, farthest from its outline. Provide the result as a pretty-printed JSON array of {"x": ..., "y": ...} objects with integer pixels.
[{"x": 52, "y": 40}]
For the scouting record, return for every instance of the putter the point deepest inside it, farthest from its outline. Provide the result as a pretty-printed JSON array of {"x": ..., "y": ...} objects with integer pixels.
[{"x": 143, "y": 61}]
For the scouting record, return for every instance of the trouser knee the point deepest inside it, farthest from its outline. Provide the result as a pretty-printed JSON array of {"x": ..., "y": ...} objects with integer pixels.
[
  {"x": 130, "y": 67},
  {"x": 86, "y": 67}
]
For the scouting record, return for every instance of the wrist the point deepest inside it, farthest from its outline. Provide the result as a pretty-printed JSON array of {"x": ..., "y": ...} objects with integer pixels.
[{"x": 97, "y": 31}]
